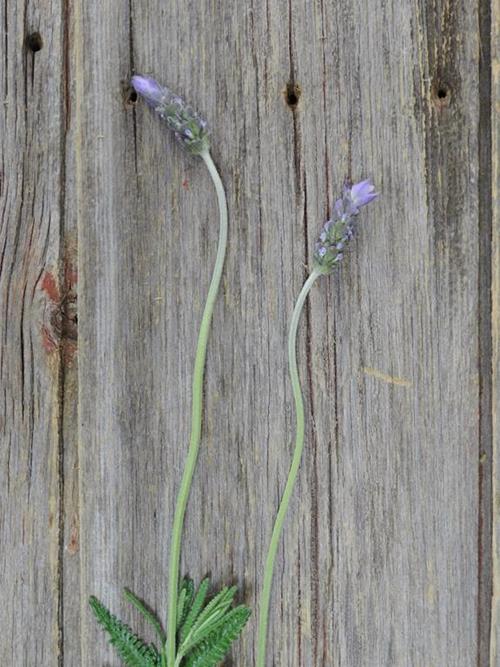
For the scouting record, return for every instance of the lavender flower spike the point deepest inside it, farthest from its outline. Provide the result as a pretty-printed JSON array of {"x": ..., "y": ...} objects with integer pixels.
[
  {"x": 338, "y": 231},
  {"x": 189, "y": 128}
]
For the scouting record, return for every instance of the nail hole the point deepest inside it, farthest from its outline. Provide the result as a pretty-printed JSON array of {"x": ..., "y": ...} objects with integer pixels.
[
  {"x": 441, "y": 95},
  {"x": 34, "y": 42},
  {"x": 292, "y": 94},
  {"x": 130, "y": 96}
]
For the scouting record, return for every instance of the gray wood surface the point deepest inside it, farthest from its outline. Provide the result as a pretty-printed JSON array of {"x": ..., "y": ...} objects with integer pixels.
[
  {"x": 390, "y": 555},
  {"x": 495, "y": 56}
]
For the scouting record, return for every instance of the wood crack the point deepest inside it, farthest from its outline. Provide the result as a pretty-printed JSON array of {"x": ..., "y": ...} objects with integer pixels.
[
  {"x": 62, "y": 315},
  {"x": 132, "y": 69},
  {"x": 485, "y": 370}
]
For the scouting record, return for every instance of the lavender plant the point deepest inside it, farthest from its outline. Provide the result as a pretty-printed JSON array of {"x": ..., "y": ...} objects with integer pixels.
[
  {"x": 199, "y": 633},
  {"x": 329, "y": 250}
]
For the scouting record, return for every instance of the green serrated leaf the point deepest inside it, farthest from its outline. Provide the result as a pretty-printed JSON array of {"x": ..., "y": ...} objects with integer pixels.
[
  {"x": 131, "y": 649},
  {"x": 195, "y": 609},
  {"x": 208, "y": 620},
  {"x": 212, "y": 650},
  {"x": 186, "y": 596},
  {"x": 149, "y": 615},
  {"x": 212, "y": 624},
  {"x": 219, "y": 603},
  {"x": 181, "y": 602}
]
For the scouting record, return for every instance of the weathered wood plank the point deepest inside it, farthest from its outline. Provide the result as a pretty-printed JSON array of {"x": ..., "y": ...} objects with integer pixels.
[
  {"x": 495, "y": 320},
  {"x": 405, "y": 500},
  {"x": 31, "y": 331},
  {"x": 487, "y": 351}
]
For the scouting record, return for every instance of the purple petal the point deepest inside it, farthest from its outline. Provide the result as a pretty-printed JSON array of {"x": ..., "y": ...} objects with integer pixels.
[
  {"x": 362, "y": 186},
  {"x": 148, "y": 88},
  {"x": 363, "y": 193},
  {"x": 339, "y": 207},
  {"x": 368, "y": 198}
]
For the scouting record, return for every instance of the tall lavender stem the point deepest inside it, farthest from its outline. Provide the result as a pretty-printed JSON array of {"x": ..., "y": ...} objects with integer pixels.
[
  {"x": 196, "y": 416},
  {"x": 191, "y": 131},
  {"x": 329, "y": 250}
]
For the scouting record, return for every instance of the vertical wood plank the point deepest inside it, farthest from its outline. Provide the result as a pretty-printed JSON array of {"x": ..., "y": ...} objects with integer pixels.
[
  {"x": 31, "y": 331},
  {"x": 115, "y": 488},
  {"x": 495, "y": 321},
  {"x": 487, "y": 351}
]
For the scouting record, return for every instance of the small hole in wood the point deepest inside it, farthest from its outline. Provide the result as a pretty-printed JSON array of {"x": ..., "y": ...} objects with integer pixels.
[
  {"x": 440, "y": 95},
  {"x": 292, "y": 94},
  {"x": 130, "y": 96},
  {"x": 34, "y": 42}
]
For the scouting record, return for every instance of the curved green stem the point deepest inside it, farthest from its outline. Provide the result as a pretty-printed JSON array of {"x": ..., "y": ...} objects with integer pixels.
[
  {"x": 196, "y": 415},
  {"x": 292, "y": 475}
]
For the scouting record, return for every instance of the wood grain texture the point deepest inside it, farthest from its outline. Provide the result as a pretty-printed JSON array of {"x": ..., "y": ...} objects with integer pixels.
[
  {"x": 495, "y": 320},
  {"x": 390, "y": 551},
  {"x": 33, "y": 331}
]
